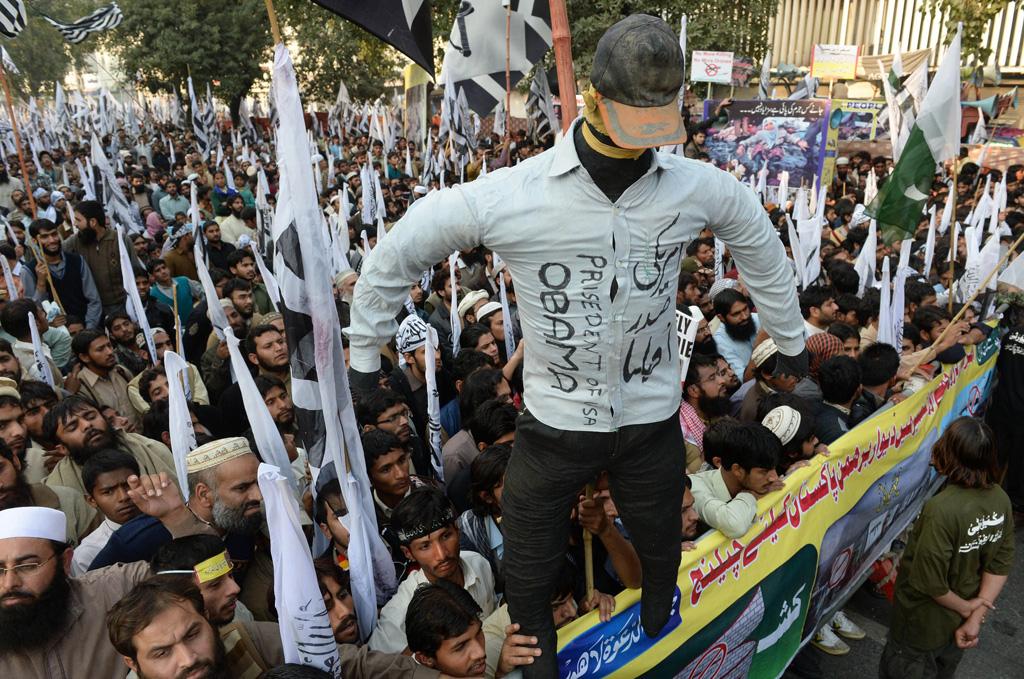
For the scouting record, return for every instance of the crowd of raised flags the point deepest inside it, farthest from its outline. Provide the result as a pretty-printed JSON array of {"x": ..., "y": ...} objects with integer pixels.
[{"x": 316, "y": 218}]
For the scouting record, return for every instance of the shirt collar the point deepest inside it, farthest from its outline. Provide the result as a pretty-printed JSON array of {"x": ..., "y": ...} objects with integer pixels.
[{"x": 567, "y": 159}]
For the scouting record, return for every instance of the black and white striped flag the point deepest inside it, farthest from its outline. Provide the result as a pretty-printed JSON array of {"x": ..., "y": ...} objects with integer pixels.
[
  {"x": 210, "y": 118},
  {"x": 323, "y": 404},
  {"x": 539, "y": 107},
  {"x": 198, "y": 126},
  {"x": 102, "y": 19},
  {"x": 12, "y": 17},
  {"x": 475, "y": 55}
]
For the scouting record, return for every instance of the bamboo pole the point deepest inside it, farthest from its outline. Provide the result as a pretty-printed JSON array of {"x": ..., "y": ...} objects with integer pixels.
[
  {"x": 563, "y": 61},
  {"x": 952, "y": 240},
  {"x": 274, "y": 28},
  {"x": 17, "y": 141},
  {"x": 177, "y": 320},
  {"x": 588, "y": 551},
  {"x": 37, "y": 250},
  {"x": 508, "y": 84},
  {"x": 977, "y": 292}
]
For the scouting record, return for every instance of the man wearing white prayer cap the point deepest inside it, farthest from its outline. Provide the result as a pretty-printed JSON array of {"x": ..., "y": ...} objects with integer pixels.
[{"x": 51, "y": 625}]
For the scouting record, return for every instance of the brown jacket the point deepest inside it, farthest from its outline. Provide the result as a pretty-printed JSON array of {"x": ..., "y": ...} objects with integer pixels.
[
  {"x": 104, "y": 260},
  {"x": 82, "y": 649}
]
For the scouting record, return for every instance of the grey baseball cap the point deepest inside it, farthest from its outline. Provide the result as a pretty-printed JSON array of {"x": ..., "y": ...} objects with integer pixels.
[{"x": 638, "y": 71}]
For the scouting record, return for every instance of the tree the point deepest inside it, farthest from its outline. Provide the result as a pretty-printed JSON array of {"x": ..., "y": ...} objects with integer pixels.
[
  {"x": 330, "y": 49},
  {"x": 40, "y": 52},
  {"x": 739, "y": 26},
  {"x": 219, "y": 40},
  {"x": 975, "y": 15}
]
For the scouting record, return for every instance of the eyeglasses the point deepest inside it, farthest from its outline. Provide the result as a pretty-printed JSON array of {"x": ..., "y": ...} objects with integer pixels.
[
  {"x": 721, "y": 374},
  {"x": 25, "y": 569},
  {"x": 407, "y": 414}
]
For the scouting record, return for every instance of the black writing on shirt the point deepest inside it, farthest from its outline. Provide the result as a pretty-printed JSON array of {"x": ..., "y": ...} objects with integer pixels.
[{"x": 569, "y": 360}]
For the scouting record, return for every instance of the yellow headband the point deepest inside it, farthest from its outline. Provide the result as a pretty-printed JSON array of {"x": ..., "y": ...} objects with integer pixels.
[
  {"x": 208, "y": 570},
  {"x": 593, "y": 118}
]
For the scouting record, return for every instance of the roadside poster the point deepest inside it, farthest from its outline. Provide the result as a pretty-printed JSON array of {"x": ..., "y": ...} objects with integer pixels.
[
  {"x": 711, "y": 67},
  {"x": 834, "y": 62}
]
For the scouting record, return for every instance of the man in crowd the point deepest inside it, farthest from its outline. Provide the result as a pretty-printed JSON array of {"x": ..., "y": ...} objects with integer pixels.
[
  {"x": 81, "y": 431},
  {"x": 726, "y": 498},
  {"x": 173, "y": 203},
  {"x": 215, "y": 247},
  {"x": 705, "y": 399},
  {"x": 101, "y": 379},
  {"x": 424, "y": 524},
  {"x": 738, "y": 330},
  {"x": 98, "y": 245},
  {"x": 818, "y": 307},
  {"x": 105, "y": 476},
  {"x": 266, "y": 350},
  {"x": 242, "y": 265},
  {"x": 62, "y": 273}
]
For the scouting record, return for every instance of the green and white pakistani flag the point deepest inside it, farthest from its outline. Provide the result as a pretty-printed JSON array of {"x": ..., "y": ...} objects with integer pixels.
[{"x": 934, "y": 139}]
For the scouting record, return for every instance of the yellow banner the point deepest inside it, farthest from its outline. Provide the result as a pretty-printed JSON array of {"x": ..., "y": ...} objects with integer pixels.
[{"x": 743, "y": 606}]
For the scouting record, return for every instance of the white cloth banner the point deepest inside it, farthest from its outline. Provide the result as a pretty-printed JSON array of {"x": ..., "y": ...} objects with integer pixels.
[
  {"x": 135, "y": 309},
  {"x": 42, "y": 365},
  {"x": 433, "y": 402},
  {"x": 264, "y": 429},
  {"x": 305, "y": 628},
  {"x": 453, "y": 315},
  {"x": 183, "y": 436}
]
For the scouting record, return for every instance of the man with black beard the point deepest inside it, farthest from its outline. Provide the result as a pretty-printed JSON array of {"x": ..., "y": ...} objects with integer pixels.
[
  {"x": 704, "y": 343},
  {"x": 98, "y": 245},
  {"x": 81, "y": 431},
  {"x": 267, "y": 351},
  {"x": 735, "y": 336},
  {"x": 52, "y": 626},
  {"x": 705, "y": 399},
  {"x": 8, "y": 185}
]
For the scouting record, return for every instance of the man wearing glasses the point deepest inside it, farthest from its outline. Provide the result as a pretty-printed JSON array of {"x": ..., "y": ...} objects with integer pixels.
[
  {"x": 52, "y": 625},
  {"x": 705, "y": 399}
]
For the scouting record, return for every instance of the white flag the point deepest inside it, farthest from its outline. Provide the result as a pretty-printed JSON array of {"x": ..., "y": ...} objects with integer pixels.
[
  {"x": 433, "y": 403},
  {"x": 264, "y": 429},
  {"x": 12, "y": 292},
  {"x": 453, "y": 315},
  {"x": 305, "y": 629},
  {"x": 134, "y": 306},
  {"x": 865, "y": 264},
  {"x": 885, "y": 335},
  {"x": 183, "y": 436},
  {"x": 506, "y": 315},
  {"x": 42, "y": 365},
  {"x": 268, "y": 278}
]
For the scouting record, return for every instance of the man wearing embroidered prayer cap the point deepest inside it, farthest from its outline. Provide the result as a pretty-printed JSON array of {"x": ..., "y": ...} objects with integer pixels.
[
  {"x": 224, "y": 500},
  {"x": 52, "y": 625},
  {"x": 764, "y": 358},
  {"x": 592, "y": 232}
]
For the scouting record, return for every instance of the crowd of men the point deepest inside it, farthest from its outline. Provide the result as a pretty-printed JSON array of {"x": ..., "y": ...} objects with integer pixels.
[{"x": 98, "y": 572}]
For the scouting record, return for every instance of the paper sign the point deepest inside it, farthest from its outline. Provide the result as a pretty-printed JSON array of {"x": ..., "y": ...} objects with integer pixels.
[
  {"x": 711, "y": 67},
  {"x": 686, "y": 332},
  {"x": 213, "y": 568},
  {"x": 835, "y": 62}
]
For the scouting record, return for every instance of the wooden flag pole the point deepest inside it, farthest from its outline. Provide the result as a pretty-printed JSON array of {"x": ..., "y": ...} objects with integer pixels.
[
  {"x": 274, "y": 28},
  {"x": 177, "y": 320},
  {"x": 37, "y": 250},
  {"x": 977, "y": 292},
  {"x": 17, "y": 141},
  {"x": 508, "y": 84},
  {"x": 563, "y": 61},
  {"x": 588, "y": 551},
  {"x": 953, "y": 242}
]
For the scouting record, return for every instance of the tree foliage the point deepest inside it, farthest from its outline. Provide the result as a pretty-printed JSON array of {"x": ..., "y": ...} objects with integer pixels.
[
  {"x": 976, "y": 16},
  {"x": 329, "y": 49},
  {"x": 220, "y": 40},
  {"x": 739, "y": 26},
  {"x": 40, "y": 52}
]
